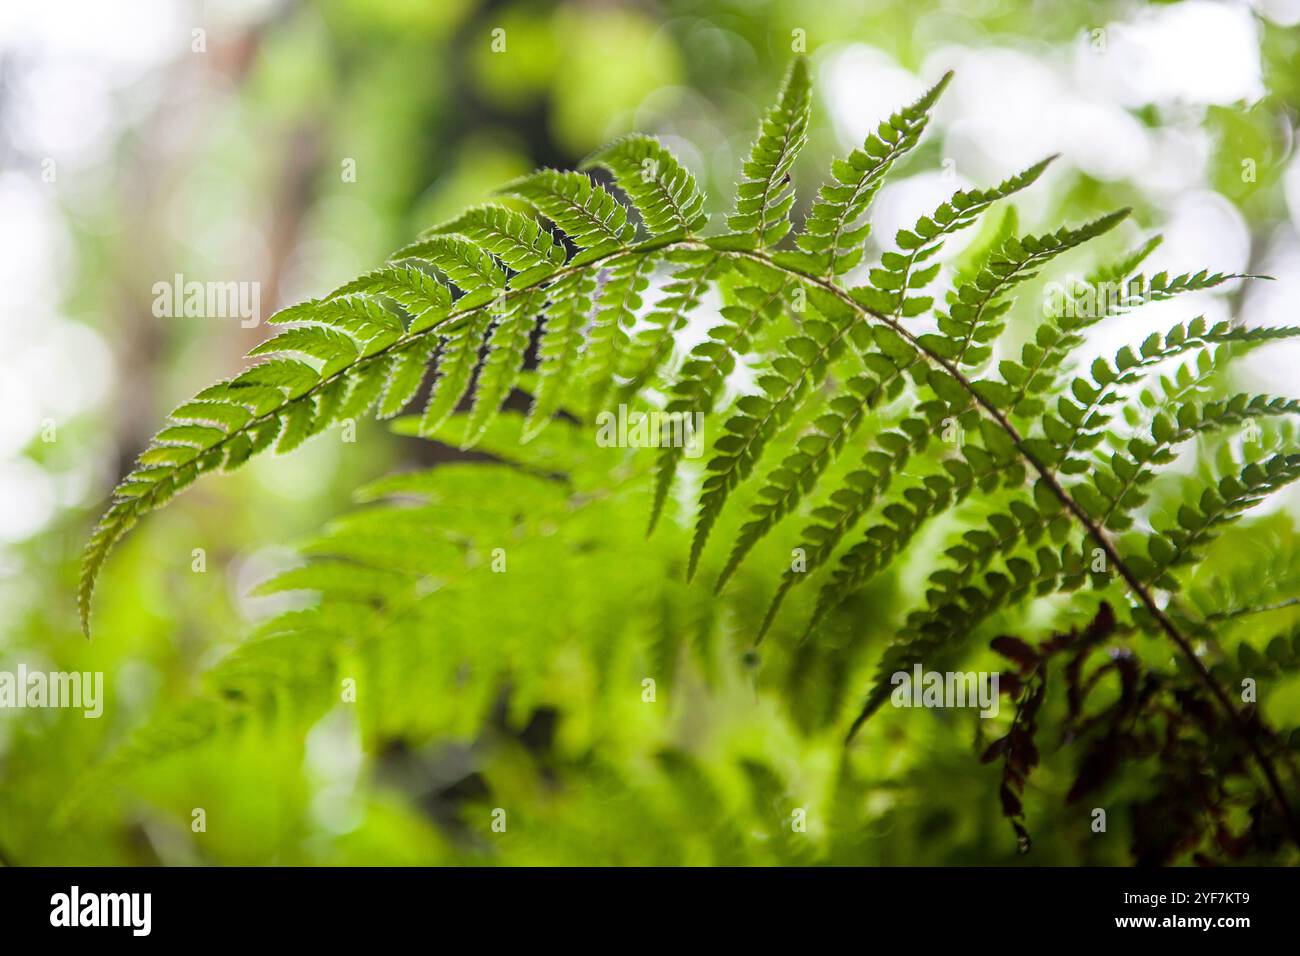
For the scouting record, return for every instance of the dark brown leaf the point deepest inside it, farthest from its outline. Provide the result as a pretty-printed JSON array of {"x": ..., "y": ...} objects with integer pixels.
[{"x": 1016, "y": 651}]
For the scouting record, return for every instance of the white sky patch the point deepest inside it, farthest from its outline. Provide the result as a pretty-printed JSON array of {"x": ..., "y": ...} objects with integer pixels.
[
  {"x": 1204, "y": 230},
  {"x": 33, "y": 249},
  {"x": 1197, "y": 51},
  {"x": 1106, "y": 142},
  {"x": 1005, "y": 110},
  {"x": 1285, "y": 13},
  {"x": 1178, "y": 160},
  {"x": 1009, "y": 108},
  {"x": 22, "y": 415},
  {"x": 69, "y": 370},
  {"x": 1272, "y": 368},
  {"x": 53, "y": 368},
  {"x": 334, "y": 760},
  {"x": 27, "y": 499},
  {"x": 75, "y": 67},
  {"x": 1291, "y": 186}
]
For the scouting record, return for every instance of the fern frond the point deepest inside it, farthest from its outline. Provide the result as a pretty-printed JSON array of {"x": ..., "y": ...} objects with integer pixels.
[
  {"x": 758, "y": 417},
  {"x": 361, "y": 316},
  {"x": 517, "y": 240},
  {"x": 995, "y": 463},
  {"x": 500, "y": 370},
  {"x": 701, "y": 377},
  {"x": 364, "y": 356},
  {"x": 1199, "y": 521},
  {"x": 589, "y": 216},
  {"x": 1114, "y": 490},
  {"x": 1065, "y": 462},
  {"x": 562, "y": 336},
  {"x": 412, "y": 288},
  {"x": 617, "y": 305},
  {"x": 334, "y": 350},
  {"x": 405, "y": 374},
  {"x": 1041, "y": 359},
  {"x": 652, "y": 346},
  {"x": 1081, "y": 417},
  {"x": 800, "y": 470},
  {"x": 468, "y": 266},
  {"x": 955, "y": 607},
  {"x": 897, "y": 273},
  {"x": 765, "y": 195},
  {"x": 884, "y": 458},
  {"x": 661, "y": 188},
  {"x": 831, "y": 232},
  {"x": 456, "y": 363},
  {"x": 974, "y": 310}
]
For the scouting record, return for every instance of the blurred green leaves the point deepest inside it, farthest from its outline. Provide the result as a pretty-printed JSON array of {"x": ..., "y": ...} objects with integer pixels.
[{"x": 595, "y": 66}]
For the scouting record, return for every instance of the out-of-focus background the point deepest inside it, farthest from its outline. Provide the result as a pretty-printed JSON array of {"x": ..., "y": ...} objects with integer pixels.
[{"x": 294, "y": 143}]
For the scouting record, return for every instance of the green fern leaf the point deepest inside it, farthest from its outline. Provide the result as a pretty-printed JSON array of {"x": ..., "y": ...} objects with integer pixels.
[
  {"x": 701, "y": 377},
  {"x": 412, "y": 288},
  {"x": 506, "y": 347},
  {"x": 764, "y": 196},
  {"x": 898, "y": 274},
  {"x": 361, "y": 316},
  {"x": 517, "y": 240},
  {"x": 1081, "y": 416},
  {"x": 974, "y": 310},
  {"x": 335, "y": 350},
  {"x": 653, "y": 345},
  {"x": 1200, "y": 520},
  {"x": 455, "y": 370},
  {"x": 884, "y": 458},
  {"x": 984, "y": 467},
  {"x": 405, "y": 374},
  {"x": 956, "y": 608},
  {"x": 460, "y": 260},
  {"x": 759, "y": 417},
  {"x": 1115, "y": 488},
  {"x": 831, "y": 231},
  {"x": 661, "y": 189},
  {"x": 617, "y": 306},
  {"x": 589, "y": 216},
  {"x": 1041, "y": 359},
  {"x": 800, "y": 470},
  {"x": 562, "y": 337}
]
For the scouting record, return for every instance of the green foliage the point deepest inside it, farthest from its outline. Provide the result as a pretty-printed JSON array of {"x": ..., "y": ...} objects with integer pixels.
[
  {"x": 765, "y": 194},
  {"x": 660, "y": 188},
  {"x": 831, "y": 230},
  {"x": 1018, "y": 472}
]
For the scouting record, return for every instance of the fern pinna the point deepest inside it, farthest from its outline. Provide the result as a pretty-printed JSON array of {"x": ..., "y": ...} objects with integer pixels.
[{"x": 876, "y": 409}]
